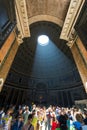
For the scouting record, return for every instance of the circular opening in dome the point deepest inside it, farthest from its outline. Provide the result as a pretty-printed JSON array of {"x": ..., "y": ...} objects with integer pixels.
[{"x": 43, "y": 40}]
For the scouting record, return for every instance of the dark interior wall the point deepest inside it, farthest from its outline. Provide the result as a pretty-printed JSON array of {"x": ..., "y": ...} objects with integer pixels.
[
  {"x": 65, "y": 98},
  {"x": 65, "y": 81}
]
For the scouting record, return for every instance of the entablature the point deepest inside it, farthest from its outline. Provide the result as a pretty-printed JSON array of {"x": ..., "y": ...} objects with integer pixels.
[
  {"x": 71, "y": 18},
  {"x": 22, "y": 20}
]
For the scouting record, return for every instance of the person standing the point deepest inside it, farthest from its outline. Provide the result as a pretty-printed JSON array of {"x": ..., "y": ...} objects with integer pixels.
[
  {"x": 26, "y": 114},
  {"x": 28, "y": 125},
  {"x": 18, "y": 124}
]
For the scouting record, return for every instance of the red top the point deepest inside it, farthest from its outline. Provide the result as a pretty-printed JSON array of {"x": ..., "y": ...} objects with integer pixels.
[{"x": 55, "y": 125}]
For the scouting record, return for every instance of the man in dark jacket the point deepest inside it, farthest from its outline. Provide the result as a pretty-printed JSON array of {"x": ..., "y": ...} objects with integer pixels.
[{"x": 63, "y": 122}]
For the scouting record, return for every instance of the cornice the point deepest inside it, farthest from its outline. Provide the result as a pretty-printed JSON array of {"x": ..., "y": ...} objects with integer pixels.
[
  {"x": 23, "y": 87},
  {"x": 47, "y": 18},
  {"x": 71, "y": 18},
  {"x": 22, "y": 20}
]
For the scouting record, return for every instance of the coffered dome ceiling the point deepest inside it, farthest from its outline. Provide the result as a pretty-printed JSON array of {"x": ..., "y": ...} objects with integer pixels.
[
  {"x": 50, "y": 65},
  {"x": 39, "y": 61}
]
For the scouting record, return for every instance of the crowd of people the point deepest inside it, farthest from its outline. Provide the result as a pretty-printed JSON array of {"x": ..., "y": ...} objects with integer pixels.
[{"x": 42, "y": 118}]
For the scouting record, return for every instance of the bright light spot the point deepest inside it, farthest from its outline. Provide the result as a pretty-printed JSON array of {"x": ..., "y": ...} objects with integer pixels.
[{"x": 43, "y": 40}]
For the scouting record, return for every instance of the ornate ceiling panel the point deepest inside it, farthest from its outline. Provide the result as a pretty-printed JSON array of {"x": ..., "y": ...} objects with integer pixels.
[{"x": 56, "y": 8}]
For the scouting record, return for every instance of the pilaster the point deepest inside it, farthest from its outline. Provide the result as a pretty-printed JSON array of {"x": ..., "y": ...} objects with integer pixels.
[
  {"x": 80, "y": 64},
  {"x": 7, "y": 63}
]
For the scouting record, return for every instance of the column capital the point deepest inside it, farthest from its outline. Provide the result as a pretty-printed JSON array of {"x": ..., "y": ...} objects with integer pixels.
[
  {"x": 72, "y": 38},
  {"x": 19, "y": 39}
]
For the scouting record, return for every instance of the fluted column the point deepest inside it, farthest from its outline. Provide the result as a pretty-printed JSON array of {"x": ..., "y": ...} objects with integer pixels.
[
  {"x": 13, "y": 96},
  {"x": 62, "y": 98},
  {"x": 18, "y": 97},
  {"x": 67, "y": 99},
  {"x": 7, "y": 95},
  {"x": 24, "y": 94}
]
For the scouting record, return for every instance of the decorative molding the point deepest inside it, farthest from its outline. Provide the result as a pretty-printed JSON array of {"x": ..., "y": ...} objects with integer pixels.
[
  {"x": 19, "y": 39},
  {"x": 71, "y": 18},
  {"x": 22, "y": 20},
  {"x": 72, "y": 38},
  {"x": 48, "y": 18},
  {"x": 23, "y": 87},
  {"x": 70, "y": 44}
]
